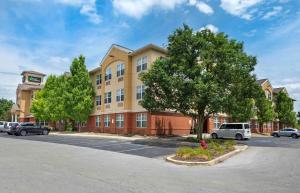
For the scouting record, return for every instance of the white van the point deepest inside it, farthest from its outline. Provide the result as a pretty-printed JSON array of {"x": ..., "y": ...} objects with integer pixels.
[{"x": 237, "y": 131}]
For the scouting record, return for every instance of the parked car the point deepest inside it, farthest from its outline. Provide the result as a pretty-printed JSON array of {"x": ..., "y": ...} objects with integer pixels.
[
  {"x": 9, "y": 125},
  {"x": 28, "y": 128},
  {"x": 286, "y": 132},
  {"x": 2, "y": 123},
  {"x": 237, "y": 131}
]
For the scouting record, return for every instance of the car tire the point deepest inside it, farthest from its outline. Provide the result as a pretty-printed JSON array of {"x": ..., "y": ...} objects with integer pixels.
[
  {"x": 214, "y": 136},
  {"x": 9, "y": 133},
  {"x": 23, "y": 133},
  {"x": 275, "y": 135},
  {"x": 294, "y": 136},
  {"x": 45, "y": 132},
  {"x": 238, "y": 137}
]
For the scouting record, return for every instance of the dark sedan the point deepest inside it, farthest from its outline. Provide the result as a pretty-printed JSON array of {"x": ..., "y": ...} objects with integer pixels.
[{"x": 28, "y": 128}]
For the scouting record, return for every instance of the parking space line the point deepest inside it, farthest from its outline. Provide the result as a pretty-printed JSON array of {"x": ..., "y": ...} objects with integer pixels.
[
  {"x": 110, "y": 144},
  {"x": 135, "y": 149}
]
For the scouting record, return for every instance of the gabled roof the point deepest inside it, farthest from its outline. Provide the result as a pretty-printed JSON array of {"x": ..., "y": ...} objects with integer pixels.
[
  {"x": 95, "y": 70},
  {"x": 279, "y": 89},
  {"x": 33, "y": 72},
  {"x": 261, "y": 81},
  {"x": 147, "y": 47},
  {"x": 124, "y": 49}
]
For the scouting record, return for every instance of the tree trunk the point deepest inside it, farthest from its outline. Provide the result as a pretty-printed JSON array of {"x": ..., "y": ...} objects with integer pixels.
[{"x": 201, "y": 120}]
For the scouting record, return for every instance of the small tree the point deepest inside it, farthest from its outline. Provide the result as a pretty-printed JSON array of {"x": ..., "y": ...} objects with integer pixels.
[
  {"x": 5, "y": 106},
  {"x": 79, "y": 95},
  {"x": 284, "y": 107},
  {"x": 201, "y": 75}
]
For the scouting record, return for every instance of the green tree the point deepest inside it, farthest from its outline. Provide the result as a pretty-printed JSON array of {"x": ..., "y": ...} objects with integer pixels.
[
  {"x": 284, "y": 107},
  {"x": 5, "y": 106},
  {"x": 265, "y": 110},
  {"x": 79, "y": 96},
  {"x": 204, "y": 73}
]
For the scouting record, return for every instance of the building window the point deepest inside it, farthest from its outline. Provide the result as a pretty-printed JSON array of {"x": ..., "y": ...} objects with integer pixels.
[
  {"x": 120, "y": 69},
  {"x": 141, "y": 64},
  {"x": 140, "y": 92},
  {"x": 107, "y": 98},
  {"x": 108, "y": 74},
  {"x": 98, "y": 100},
  {"x": 269, "y": 95},
  {"x": 141, "y": 120},
  {"x": 98, "y": 79},
  {"x": 120, "y": 95},
  {"x": 106, "y": 121},
  {"x": 216, "y": 122},
  {"x": 120, "y": 120},
  {"x": 98, "y": 123}
]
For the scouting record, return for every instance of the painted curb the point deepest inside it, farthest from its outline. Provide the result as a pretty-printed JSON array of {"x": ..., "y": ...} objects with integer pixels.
[{"x": 239, "y": 148}]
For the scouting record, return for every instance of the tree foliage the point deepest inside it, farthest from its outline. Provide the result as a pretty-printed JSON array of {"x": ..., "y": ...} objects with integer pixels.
[
  {"x": 204, "y": 73},
  {"x": 66, "y": 97},
  {"x": 284, "y": 107},
  {"x": 5, "y": 106}
]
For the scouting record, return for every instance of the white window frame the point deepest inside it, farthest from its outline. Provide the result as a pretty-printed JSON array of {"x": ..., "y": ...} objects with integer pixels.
[
  {"x": 141, "y": 64},
  {"x": 120, "y": 69},
  {"x": 107, "y": 99},
  {"x": 216, "y": 121},
  {"x": 98, "y": 100},
  {"x": 98, "y": 121},
  {"x": 98, "y": 79},
  {"x": 140, "y": 92},
  {"x": 107, "y": 121},
  {"x": 141, "y": 120},
  {"x": 108, "y": 74},
  {"x": 120, "y": 120},
  {"x": 120, "y": 95}
]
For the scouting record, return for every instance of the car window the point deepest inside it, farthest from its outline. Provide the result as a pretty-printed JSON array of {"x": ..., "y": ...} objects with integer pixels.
[
  {"x": 247, "y": 126},
  {"x": 1, "y": 123},
  {"x": 223, "y": 126}
]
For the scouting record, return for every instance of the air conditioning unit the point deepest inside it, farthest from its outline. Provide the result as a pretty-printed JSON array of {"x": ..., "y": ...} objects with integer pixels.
[
  {"x": 107, "y": 83},
  {"x": 120, "y": 79}
]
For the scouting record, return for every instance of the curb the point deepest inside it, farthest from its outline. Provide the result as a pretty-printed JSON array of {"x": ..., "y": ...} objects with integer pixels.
[{"x": 239, "y": 148}]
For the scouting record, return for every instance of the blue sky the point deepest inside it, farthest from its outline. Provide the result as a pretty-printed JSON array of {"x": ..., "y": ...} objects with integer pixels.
[{"x": 45, "y": 35}]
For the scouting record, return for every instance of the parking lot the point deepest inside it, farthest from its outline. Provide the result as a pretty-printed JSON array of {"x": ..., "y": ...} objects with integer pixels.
[
  {"x": 144, "y": 148},
  {"x": 138, "y": 147}
]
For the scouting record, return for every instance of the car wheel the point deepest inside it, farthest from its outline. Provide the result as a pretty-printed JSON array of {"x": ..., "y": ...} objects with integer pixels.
[
  {"x": 294, "y": 136},
  {"x": 45, "y": 132},
  {"x": 238, "y": 137},
  {"x": 9, "y": 133},
  {"x": 23, "y": 133},
  {"x": 275, "y": 135},
  {"x": 214, "y": 136}
]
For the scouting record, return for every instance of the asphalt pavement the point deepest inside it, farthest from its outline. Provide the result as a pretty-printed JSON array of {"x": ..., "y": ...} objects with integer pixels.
[{"x": 32, "y": 164}]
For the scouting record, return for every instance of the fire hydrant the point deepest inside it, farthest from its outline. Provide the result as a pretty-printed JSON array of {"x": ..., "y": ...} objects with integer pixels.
[{"x": 203, "y": 144}]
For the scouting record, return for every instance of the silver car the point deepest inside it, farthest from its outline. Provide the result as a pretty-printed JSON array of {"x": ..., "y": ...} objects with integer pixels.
[
  {"x": 286, "y": 132},
  {"x": 2, "y": 123},
  {"x": 237, "y": 131},
  {"x": 9, "y": 125}
]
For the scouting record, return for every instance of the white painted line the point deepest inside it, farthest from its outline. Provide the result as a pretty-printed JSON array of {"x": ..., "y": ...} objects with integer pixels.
[
  {"x": 111, "y": 144},
  {"x": 135, "y": 149}
]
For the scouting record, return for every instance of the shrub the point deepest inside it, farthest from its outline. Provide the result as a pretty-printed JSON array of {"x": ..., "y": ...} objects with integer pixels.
[{"x": 191, "y": 153}]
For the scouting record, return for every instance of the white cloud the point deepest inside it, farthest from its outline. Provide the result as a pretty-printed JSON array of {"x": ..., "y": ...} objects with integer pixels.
[
  {"x": 211, "y": 27},
  {"x": 202, "y": 7},
  {"x": 275, "y": 11},
  {"x": 139, "y": 8},
  {"x": 239, "y": 7},
  {"x": 87, "y": 8}
]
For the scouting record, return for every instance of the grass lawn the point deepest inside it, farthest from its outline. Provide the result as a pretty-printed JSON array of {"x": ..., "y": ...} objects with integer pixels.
[{"x": 216, "y": 148}]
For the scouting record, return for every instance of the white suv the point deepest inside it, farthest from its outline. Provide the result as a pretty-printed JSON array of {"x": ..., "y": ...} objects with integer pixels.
[{"x": 237, "y": 131}]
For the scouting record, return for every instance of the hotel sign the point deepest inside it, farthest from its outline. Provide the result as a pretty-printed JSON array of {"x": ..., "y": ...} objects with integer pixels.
[{"x": 34, "y": 79}]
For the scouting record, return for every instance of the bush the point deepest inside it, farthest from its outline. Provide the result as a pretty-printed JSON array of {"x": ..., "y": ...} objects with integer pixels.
[{"x": 193, "y": 153}]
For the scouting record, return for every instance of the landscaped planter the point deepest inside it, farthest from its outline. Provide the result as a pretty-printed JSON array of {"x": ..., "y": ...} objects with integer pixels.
[{"x": 238, "y": 148}]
